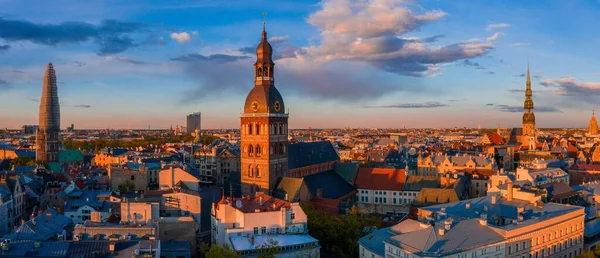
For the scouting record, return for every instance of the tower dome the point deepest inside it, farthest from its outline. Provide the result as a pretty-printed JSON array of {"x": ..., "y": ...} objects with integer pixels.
[{"x": 264, "y": 97}]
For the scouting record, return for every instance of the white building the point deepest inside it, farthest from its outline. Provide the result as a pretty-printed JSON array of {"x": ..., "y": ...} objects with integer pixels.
[
  {"x": 538, "y": 173},
  {"x": 245, "y": 224},
  {"x": 82, "y": 204}
]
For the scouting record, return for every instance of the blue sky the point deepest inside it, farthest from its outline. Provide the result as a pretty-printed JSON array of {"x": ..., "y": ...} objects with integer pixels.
[{"x": 339, "y": 63}]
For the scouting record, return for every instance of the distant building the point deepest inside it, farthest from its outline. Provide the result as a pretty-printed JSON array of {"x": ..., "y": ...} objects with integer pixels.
[
  {"x": 29, "y": 129},
  {"x": 399, "y": 138},
  {"x": 121, "y": 174},
  {"x": 493, "y": 226},
  {"x": 193, "y": 122},
  {"x": 247, "y": 223},
  {"x": 435, "y": 165},
  {"x": 538, "y": 173}
]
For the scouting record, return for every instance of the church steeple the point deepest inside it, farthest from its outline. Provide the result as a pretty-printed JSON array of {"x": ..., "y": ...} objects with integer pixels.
[
  {"x": 264, "y": 66},
  {"x": 528, "y": 116},
  {"x": 593, "y": 126}
]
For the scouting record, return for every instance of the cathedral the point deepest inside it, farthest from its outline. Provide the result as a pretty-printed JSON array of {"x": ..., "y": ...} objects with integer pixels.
[{"x": 263, "y": 127}]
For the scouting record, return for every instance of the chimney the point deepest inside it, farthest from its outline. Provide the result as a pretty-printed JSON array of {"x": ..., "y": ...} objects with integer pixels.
[
  {"x": 261, "y": 200},
  {"x": 509, "y": 188},
  {"x": 483, "y": 219},
  {"x": 22, "y": 221},
  {"x": 111, "y": 246},
  {"x": 468, "y": 206},
  {"x": 286, "y": 197},
  {"x": 494, "y": 199},
  {"x": 448, "y": 224},
  {"x": 441, "y": 231}
]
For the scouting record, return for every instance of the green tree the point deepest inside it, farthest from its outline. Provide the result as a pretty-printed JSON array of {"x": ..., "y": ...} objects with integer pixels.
[
  {"x": 126, "y": 187},
  {"x": 268, "y": 249},
  {"x": 338, "y": 235},
  {"x": 23, "y": 161},
  {"x": 217, "y": 251}
]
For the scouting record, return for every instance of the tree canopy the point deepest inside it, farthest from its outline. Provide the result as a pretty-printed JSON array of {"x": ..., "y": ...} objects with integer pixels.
[
  {"x": 337, "y": 235},
  {"x": 126, "y": 187},
  {"x": 217, "y": 251},
  {"x": 69, "y": 144}
]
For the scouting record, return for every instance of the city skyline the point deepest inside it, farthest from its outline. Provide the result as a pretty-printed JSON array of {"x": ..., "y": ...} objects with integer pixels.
[{"x": 134, "y": 66}]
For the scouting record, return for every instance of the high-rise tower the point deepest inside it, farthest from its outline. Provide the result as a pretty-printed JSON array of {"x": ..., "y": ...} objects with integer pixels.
[
  {"x": 528, "y": 116},
  {"x": 49, "y": 119},
  {"x": 264, "y": 127}
]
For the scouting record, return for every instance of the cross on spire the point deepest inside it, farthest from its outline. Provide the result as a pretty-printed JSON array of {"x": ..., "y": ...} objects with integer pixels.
[{"x": 264, "y": 14}]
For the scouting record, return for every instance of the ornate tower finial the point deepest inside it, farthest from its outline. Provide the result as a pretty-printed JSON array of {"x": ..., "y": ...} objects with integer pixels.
[{"x": 264, "y": 33}]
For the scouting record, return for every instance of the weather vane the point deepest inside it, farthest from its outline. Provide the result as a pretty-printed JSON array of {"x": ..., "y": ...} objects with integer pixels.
[{"x": 264, "y": 14}]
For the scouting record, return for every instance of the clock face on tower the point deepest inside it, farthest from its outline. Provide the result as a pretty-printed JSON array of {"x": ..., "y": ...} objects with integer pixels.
[
  {"x": 255, "y": 106},
  {"x": 277, "y": 106}
]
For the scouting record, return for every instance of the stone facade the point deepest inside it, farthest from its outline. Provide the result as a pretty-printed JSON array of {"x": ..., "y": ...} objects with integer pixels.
[
  {"x": 118, "y": 176},
  {"x": 49, "y": 119}
]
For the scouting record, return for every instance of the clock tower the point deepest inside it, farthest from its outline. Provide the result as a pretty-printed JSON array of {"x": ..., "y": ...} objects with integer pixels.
[{"x": 264, "y": 127}]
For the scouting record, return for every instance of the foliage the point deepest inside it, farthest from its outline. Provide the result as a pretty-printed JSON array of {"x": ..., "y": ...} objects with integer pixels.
[
  {"x": 337, "y": 235},
  {"x": 126, "y": 187},
  {"x": 23, "y": 161},
  {"x": 268, "y": 249},
  {"x": 217, "y": 251},
  {"x": 590, "y": 254},
  {"x": 103, "y": 143}
]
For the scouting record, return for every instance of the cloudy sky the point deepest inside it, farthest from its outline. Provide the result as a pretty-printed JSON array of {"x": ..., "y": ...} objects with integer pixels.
[{"x": 339, "y": 63}]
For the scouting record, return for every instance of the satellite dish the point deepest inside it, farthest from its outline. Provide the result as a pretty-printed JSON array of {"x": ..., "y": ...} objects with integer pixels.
[{"x": 238, "y": 204}]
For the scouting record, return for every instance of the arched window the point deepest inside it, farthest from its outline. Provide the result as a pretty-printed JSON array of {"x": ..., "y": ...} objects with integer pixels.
[
  {"x": 257, "y": 171},
  {"x": 250, "y": 150},
  {"x": 250, "y": 172},
  {"x": 271, "y": 150},
  {"x": 280, "y": 128},
  {"x": 257, "y": 129},
  {"x": 249, "y": 128},
  {"x": 257, "y": 150},
  {"x": 259, "y": 72},
  {"x": 266, "y": 71}
]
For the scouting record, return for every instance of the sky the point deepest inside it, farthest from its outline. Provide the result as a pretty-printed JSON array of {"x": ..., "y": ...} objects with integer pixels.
[{"x": 339, "y": 63}]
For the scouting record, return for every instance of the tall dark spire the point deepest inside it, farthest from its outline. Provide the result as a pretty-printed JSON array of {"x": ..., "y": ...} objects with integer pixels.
[
  {"x": 528, "y": 116},
  {"x": 49, "y": 119}
]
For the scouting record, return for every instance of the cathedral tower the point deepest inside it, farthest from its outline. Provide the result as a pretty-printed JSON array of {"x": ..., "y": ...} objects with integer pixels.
[
  {"x": 264, "y": 127},
  {"x": 49, "y": 119},
  {"x": 593, "y": 126},
  {"x": 528, "y": 116}
]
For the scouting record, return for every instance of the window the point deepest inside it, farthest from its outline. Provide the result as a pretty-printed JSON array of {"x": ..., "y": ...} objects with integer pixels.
[
  {"x": 256, "y": 230},
  {"x": 249, "y": 128},
  {"x": 263, "y": 230},
  {"x": 293, "y": 216},
  {"x": 257, "y": 129}
]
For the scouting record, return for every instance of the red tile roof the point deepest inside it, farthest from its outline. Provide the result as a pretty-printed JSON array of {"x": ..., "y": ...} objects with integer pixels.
[
  {"x": 381, "y": 178},
  {"x": 486, "y": 173},
  {"x": 496, "y": 139},
  {"x": 269, "y": 203},
  {"x": 586, "y": 167}
]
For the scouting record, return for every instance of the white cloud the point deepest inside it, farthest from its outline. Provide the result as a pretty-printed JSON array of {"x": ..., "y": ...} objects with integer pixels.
[
  {"x": 497, "y": 26},
  {"x": 495, "y": 36},
  {"x": 372, "y": 31},
  {"x": 520, "y": 44},
  {"x": 182, "y": 37}
]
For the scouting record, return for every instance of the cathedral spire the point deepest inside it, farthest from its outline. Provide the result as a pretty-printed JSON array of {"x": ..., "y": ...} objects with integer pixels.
[{"x": 528, "y": 116}]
